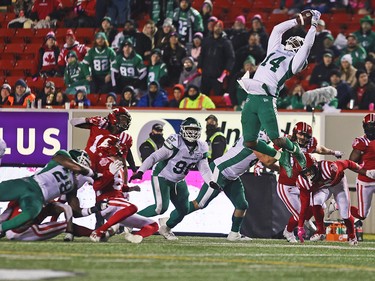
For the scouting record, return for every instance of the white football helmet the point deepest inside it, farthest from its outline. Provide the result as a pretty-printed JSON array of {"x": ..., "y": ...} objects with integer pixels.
[
  {"x": 190, "y": 129},
  {"x": 294, "y": 43}
]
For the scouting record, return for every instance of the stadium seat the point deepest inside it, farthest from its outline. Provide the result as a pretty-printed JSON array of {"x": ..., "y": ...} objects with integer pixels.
[
  {"x": 339, "y": 18},
  {"x": 264, "y": 5},
  {"x": 59, "y": 82},
  {"x": 36, "y": 85},
  {"x": 277, "y": 18},
  {"x": 40, "y": 34},
  {"x": 25, "y": 33},
  {"x": 246, "y": 4},
  {"x": 31, "y": 51},
  {"x": 13, "y": 50},
  {"x": 11, "y": 80},
  {"x": 94, "y": 98},
  {"x": 24, "y": 67},
  {"x": 85, "y": 35},
  {"x": 223, "y": 4},
  {"x": 7, "y": 34},
  {"x": 6, "y": 66}
]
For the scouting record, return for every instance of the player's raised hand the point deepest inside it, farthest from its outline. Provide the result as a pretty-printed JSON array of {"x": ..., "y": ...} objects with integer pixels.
[
  {"x": 115, "y": 166},
  {"x": 215, "y": 186},
  {"x": 301, "y": 234},
  {"x": 137, "y": 176},
  {"x": 315, "y": 17}
]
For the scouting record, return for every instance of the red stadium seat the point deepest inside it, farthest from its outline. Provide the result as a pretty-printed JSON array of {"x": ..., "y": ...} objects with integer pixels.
[
  {"x": 25, "y": 33},
  {"x": 11, "y": 80},
  {"x": 339, "y": 18},
  {"x": 59, "y": 82},
  {"x": 7, "y": 34},
  {"x": 36, "y": 85},
  {"x": 277, "y": 18},
  {"x": 85, "y": 35},
  {"x": 6, "y": 66},
  {"x": 25, "y": 67},
  {"x": 13, "y": 50},
  {"x": 94, "y": 98},
  {"x": 31, "y": 51}
]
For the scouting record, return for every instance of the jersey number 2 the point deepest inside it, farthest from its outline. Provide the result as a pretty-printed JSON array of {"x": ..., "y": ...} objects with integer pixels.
[
  {"x": 274, "y": 62},
  {"x": 65, "y": 183}
]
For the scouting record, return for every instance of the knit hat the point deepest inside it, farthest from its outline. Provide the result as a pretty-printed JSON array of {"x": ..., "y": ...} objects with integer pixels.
[
  {"x": 329, "y": 36},
  {"x": 359, "y": 72},
  {"x": 250, "y": 59},
  {"x": 50, "y": 34},
  {"x": 107, "y": 19},
  {"x": 167, "y": 22},
  {"x": 50, "y": 84},
  {"x": 367, "y": 19},
  {"x": 70, "y": 32},
  {"x": 352, "y": 35},
  {"x": 7, "y": 86},
  {"x": 156, "y": 51},
  {"x": 241, "y": 19},
  {"x": 112, "y": 94},
  {"x": 101, "y": 35},
  {"x": 127, "y": 42},
  {"x": 213, "y": 117},
  {"x": 188, "y": 58},
  {"x": 328, "y": 53},
  {"x": 347, "y": 58},
  {"x": 20, "y": 82},
  {"x": 179, "y": 87},
  {"x": 219, "y": 22},
  {"x": 198, "y": 35},
  {"x": 157, "y": 127},
  {"x": 208, "y": 3},
  {"x": 257, "y": 17},
  {"x": 212, "y": 19},
  {"x": 72, "y": 54}
]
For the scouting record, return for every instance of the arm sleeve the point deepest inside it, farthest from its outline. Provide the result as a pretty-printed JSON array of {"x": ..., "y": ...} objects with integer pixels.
[
  {"x": 305, "y": 203},
  {"x": 230, "y": 59},
  {"x": 130, "y": 160},
  {"x": 218, "y": 147},
  {"x": 299, "y": 59},
  {"x": 205, "y": 171},
  {"x": 277, "y": 33},
  {"x": 158, "y": 155},
  {"x": 78, "y": 121}
]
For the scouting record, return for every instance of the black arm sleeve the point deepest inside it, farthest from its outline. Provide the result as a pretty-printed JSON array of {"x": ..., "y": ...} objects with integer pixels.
[
  {"x": 218, "y": 147},
  {"x": 131, "y": 162}
]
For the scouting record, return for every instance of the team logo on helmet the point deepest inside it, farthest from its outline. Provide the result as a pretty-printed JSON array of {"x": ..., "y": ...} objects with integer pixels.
[
  {"x": 81, "y": 157},
  {"x": 190, "y": 129},
  {"x": 304, "y": 129},
  {"x": 369, "y": 126},
  {"x": 120, "y": 118}
]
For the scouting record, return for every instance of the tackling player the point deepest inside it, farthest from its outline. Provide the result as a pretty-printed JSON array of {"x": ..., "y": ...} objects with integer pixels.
[
  {"x": 226, "y": 170},
  {"x": 321, "y": 180},
  {"x": 281, "y": 63},
  {"x": 364, "y": 153},
  {"x": 171, "y": 163},
  {"x": 110, "y": 187}
]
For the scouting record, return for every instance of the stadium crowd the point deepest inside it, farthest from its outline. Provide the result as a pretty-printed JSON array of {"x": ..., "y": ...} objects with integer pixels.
[{"x": 186, "y": 54}]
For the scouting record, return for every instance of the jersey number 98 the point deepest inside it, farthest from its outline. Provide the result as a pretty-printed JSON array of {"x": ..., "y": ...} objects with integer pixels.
[{"x": 183, "y": 167}]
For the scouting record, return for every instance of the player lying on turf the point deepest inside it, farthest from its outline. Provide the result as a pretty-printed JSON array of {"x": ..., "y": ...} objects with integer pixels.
[
  {"x": 110, "y": 187},
  {"x": 171, "y": 163},
  {"x": 323, "y": 179},
  {"x": 65, "y": 173},
  {"x": 226, "y": 170}
]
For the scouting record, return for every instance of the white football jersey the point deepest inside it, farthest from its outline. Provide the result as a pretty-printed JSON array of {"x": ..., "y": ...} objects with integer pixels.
[
  {"x": 235, "y": 161},
  {"x": 178, "y": 165}
]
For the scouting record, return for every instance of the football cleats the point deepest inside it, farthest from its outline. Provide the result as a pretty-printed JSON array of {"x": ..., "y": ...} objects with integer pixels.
[
  {"x": 369, "y": 126},
  {"x": 190, "y": 129},
  {"x": 120, "y": 118},
  {"x": 311, "y": 172},
  {"x": 303, "y": 129},
  {"x": 81, "y": 157},
  {"x": 109, "y": 146},
  {"x": 294, "y": 43}
]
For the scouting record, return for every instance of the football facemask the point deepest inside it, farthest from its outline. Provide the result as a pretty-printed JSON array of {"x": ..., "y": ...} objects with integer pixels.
[
  {"x": 81, "y": 157},
  {"x": 191, "y": 130},
  {"x": 294, "y": 43}
]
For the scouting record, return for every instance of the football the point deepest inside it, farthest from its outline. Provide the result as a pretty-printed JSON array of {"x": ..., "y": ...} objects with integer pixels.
[{"x": 304, "y": 18}]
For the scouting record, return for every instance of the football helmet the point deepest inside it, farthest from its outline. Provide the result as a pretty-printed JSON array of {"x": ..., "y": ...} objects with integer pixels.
[
  {"x": 81, "y": 157},
  {"x": 369, "y": 126},
  {"x": 303, "y": 129},
  {"x": 120, "y": 118},
  {"x": 311, "y": 172},
  {"x": 190, "y": 129},
  {"x": 294, "y": 43},
  {"x": 109, "y": 146}
]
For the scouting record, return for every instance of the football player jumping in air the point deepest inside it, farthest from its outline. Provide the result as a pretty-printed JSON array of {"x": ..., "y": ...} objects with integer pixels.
[
  {"x": 364, "y": 153},
  {"x": 171, "y": 163},
  {"x": 281, "y": 63},
  {"x": 227, "y": 170},
  {"x": 64, "y": 173},
  {"x": 321, "y": 180},
  {"x": 110, "y": 187}
]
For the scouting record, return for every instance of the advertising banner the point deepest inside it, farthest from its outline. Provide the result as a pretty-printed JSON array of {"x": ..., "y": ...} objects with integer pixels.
[{"x": 33, "y": 137}]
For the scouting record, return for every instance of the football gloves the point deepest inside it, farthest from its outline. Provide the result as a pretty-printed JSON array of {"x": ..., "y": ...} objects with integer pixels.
[
  {"x": 315, "y": 17},
  {"x": 301, "y": 234},
  {"x": 137, "y": 176}
]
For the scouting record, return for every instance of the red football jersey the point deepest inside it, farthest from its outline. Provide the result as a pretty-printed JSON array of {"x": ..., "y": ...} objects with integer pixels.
[
  {"x": 80, "y": 50},
  {"x": 284, "y": 179},
  {"x": 368, "y": 157}
]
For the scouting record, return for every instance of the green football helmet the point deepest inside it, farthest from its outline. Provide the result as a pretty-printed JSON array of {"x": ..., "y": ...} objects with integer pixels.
[
  {"x": 190, "y": 129},
  {"x": 81, "y": 157}
]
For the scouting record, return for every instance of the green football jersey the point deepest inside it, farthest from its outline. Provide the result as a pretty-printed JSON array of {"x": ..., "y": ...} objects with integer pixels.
[
  {"x": 100, "y": 61},
  {"x": 131, "y": 67},
  {"x": 157, "y": 71}
]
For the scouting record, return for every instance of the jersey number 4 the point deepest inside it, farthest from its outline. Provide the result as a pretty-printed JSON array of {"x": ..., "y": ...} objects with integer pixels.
[
  {"x": 275, "y": 63},
  {"x": 183, "y": 167}
]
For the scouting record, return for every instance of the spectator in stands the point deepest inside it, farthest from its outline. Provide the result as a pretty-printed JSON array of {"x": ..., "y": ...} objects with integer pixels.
[
  {"x": 370, "y": 67},
  {"x": 128, "y": 97},
  {"x": 109, "y": 30},
  {"x": 328, "y": 44},
  {"x": 111, "y": 99},
  {"x": 48, "y": 56},
  {"x": 129, "y": 33},
  {"x": 22, "y": 94},
  {"x": 340, "y": 40},
  {"x": 71, "y": 44},
  {"x": 6, "y": 90},
  {"x": 217, "y": 142},
  {"x": 189, "y": 74},
  {"x": 46, "y": 9},
  {"x": 320, "y": 5},
  {"x": 210, "y": 26},
  {"x": 293, "y": 100},
  {"x": 154, "y": 97},
  {"x": 289, "y": 7},
  {"x": 153, "y": 143},
  {"x": 173, "y": 54},
  {"x": 60, "y": 99},
  {"x": 363, "y": 92},
  {"x": 357, "y": 52},
  {"x": 238, "y": 34},
  {"x": 365, "y": 36},
  {"x": 206, "y": 13},
  {"x": 146, "y": 40},
  {"x": 258, "y": 27},
  {"x": 348, "y": 70},
  {"x": 236, "y": 93},
  {"x": 21, "y": 21},
  {"x": 196, "y": 100},
  {"x": 81, "y": 99},
  {"x": 49, "y": 89},
  {"x": 161, "y": 10},
  {"x": 343, "y": 89},
  {"x": 22, "y": 5},
  {"x": 216, "y": 60},
  {"x": 76, "y": 74},
  {"x": 322, "y": 71},
  {"x": 119, "y": 11},
  {"x": 49, "y": 100},
  {"x": 163, "y": 34},
  {"x": 195, "y": 51},
  {"x": 252, "y": 48},
  {"x": 361, "y": 7},
  {"x": 157, "y": 70},
  {"x": 99, "y": 59},
  {"x": 128, "y": 68},
  {"x": 187, "y": 21},
  {"x": 178, "y": 92},
  {"x": 320, "y": 35}
]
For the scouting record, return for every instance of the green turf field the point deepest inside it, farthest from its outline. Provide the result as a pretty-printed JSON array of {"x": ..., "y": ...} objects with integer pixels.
[{"x": 193, "y": 258}]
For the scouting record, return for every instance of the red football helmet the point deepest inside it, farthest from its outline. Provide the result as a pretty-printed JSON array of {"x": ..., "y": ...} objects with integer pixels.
[
  {"x": 120, "y": 118},
  {"x": 311, "y": 171},
  {"x": 369, "y": 126},
  {"x": 303, "y": 129},
  {"x": 109, "y": 146}
]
